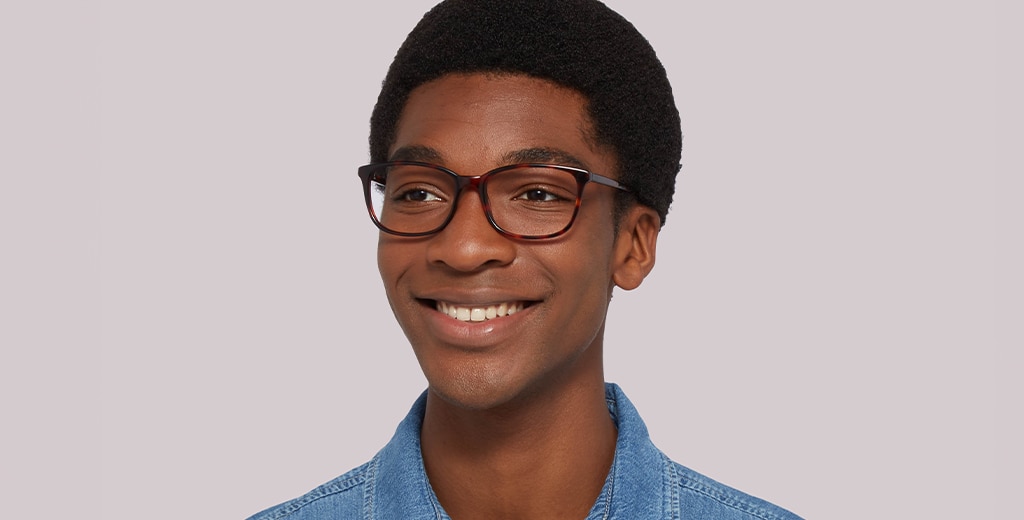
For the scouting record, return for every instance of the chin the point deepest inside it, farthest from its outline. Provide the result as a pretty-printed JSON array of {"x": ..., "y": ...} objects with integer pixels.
[{"x": 476, "y": 393}]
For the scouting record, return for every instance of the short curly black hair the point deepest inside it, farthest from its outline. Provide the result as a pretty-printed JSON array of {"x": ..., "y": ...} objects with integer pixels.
[{"x": 579, "y": 44}]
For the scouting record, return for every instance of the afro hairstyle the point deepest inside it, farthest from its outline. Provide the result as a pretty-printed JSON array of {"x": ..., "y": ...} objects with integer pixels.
[{"x": 579, "y": 44}]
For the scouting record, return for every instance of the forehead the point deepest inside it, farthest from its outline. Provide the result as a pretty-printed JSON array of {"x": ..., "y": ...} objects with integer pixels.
[{"x": 488, "y": 116}]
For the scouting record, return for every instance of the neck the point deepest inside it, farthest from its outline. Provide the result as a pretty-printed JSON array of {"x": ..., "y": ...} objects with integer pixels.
[{"x": 545, "y": 456}]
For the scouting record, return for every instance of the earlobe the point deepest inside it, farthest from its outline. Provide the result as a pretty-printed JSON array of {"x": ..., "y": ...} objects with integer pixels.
[{"x": 635, "y": 246}]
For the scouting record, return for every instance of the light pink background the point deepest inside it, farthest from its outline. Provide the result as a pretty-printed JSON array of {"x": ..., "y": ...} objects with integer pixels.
[{"x": 191, "y": 281}]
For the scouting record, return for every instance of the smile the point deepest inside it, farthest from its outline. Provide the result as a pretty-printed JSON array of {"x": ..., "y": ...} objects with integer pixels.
[{"x": 478, "y": 313}]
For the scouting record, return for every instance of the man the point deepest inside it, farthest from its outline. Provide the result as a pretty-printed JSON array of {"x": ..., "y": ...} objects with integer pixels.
[{"x": 524, "y": 158}]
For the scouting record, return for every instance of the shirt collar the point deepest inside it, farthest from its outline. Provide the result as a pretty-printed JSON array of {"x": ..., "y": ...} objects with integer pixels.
[{"x": 635, "y": 484}]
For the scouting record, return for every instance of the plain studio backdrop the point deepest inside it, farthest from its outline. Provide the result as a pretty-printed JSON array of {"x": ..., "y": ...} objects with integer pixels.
[{"x": 194, "y": 326}]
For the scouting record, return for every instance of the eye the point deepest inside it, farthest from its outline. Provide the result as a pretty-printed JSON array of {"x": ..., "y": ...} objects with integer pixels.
[
  {"x": 538, "y": 195},
  {"x": 416, "y": 195}
]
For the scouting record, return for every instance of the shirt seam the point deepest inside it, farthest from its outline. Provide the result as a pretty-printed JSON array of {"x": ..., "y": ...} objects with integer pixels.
[
  {"x": 728, "y": 501},
  {"x": 320, "y": 493},
  {"x": 371, "y": 487}
]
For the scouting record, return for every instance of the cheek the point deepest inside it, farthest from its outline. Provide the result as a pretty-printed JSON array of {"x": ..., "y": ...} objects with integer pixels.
[
  {"x": 590, "y": 259},
  {"x": 382, "y": 259},
  {"x": 584, "y": 275},
  {"x": 392, "y": 261}
]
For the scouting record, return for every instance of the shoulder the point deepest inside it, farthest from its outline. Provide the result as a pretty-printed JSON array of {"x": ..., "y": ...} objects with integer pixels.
[
  {"x": 342, "y": 497},
  {"x": 702, "y": 497}
]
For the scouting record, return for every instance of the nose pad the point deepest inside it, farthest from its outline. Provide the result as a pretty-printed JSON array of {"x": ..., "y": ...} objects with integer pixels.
[{"x": 469, "y": 241}]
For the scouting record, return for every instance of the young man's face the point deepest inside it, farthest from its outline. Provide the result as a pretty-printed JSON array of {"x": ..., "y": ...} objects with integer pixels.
[{"x": 472, "y": 124}]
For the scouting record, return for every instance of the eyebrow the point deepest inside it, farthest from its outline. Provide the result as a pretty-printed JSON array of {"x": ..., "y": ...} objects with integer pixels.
[
  {"x": 417, "y": 153},
  {"x": 543, "y": 155},
  {"x": 526, "y": 155}
]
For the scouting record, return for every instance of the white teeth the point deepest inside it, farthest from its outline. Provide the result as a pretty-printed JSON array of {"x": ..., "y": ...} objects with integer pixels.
[{"x": 478, "y": 313}]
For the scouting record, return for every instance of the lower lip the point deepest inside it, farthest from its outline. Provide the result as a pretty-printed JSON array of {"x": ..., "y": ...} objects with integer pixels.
[{"x": 475, "y": 334}]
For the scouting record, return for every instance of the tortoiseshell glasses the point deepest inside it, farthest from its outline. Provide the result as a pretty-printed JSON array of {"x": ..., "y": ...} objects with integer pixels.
[{"x": 526, "y": 201}]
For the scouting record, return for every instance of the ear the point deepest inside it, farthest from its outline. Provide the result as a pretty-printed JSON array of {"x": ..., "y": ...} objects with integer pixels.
[{"x": 635, "y": 246}]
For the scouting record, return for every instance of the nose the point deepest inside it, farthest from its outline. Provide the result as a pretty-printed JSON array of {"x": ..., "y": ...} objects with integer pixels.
[{"x": 469, "y": 242}]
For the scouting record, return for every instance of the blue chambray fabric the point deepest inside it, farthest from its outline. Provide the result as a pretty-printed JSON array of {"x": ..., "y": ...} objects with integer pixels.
[{"x": 642, "y": 484}]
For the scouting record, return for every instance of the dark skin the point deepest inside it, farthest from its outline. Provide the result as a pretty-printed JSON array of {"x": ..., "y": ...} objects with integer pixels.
[{"x": 516, "y": 424}]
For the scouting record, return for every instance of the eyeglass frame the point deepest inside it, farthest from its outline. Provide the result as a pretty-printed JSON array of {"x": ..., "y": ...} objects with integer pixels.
[{"x": 478, "y": 182}]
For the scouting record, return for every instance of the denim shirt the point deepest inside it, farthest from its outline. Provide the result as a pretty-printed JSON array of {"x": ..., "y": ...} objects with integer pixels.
[{"x": 642, "y": 484}]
